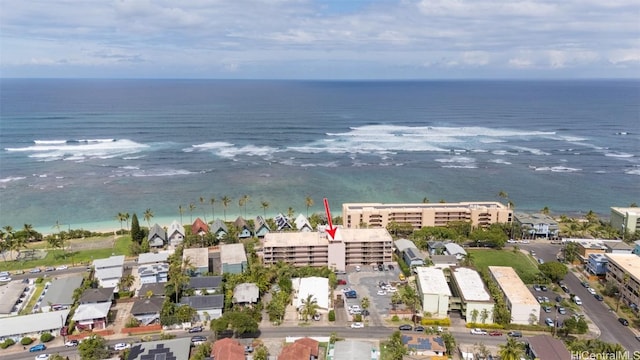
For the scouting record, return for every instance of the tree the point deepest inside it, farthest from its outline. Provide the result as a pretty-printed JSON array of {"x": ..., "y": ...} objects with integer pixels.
[
  {"x": 180, "y": 211},
  {"x": 425, "y": 200},
  {"x": 28, "y": 231},
  {"x": 126, "y": 282},
  {"x": 570, "y": 252},
  {"x": 290, "y": 212},
  {"x": 449, "y": 342},
  {"x": 204, "y": 212},
  {"x": 261, "y": 353},
  {"x": 192, "y": 207},
  {"x": 474, "y": 315},
  {"x": 185, "y": 313},
  {"x": 202, "y": 352},
  {"x": 137, "y": 235},
  {"x": 264, "y": 205},
  {"x": 242, "y": 202},
  {"x": 545, "y": 210},
  {"x": 484, "y": 315},
  {"x": 148, "y": 214},
  {"x": 467, "y": 260},
  {"x": 308, "y": 201},
  {"x": 120, "y": 218},
  {"x": 553, "y": 270},
  {"x": 225, "y": 203},
  {"x": 309, "y": 307},
  {"x": 126, "y": 219},
  {"x": 93, "y": 348},
  {"x": 395, "y": 347},
  {"x": 625, "y": 280},
  {"x": 512, "y": 350},
  {"x": 365, "y": 303},
  {"x": 212, "y": 201}
]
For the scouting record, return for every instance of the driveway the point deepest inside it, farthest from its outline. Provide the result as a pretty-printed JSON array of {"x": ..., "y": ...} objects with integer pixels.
[{"x": 365, "y": 283}]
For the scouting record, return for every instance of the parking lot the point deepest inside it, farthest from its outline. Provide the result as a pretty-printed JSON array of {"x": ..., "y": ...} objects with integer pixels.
[
  {"x": 366, "y": 284},
  {"x": 551, "y": 308}
]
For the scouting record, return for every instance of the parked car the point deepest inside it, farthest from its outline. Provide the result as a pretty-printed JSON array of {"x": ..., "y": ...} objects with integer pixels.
[
  {"x": 584, "y": 284},
  {"x": 564, "y": 288},
  {"x": 591, "y": 291},
  {"x": 558, "y": 298},
  {"x": 43, "y": 357},
  {"x": 380, "y": 267},
  {"x": 577, "y": 300},
  {"x": 4, "y": 273},
  {"x": 342, "y": 282},
  {"x": 540, "y": 261},
  {"x": 195, "y": 329},
  {"x": 543, "y": 287},
  {"x": 382, "y": 292},
  {"x": 390, "y": 267},
  {"x": 62, "y": 267},
  {"x": 548, "y": 321},
  {"x": 515, "y": 334},
  {"x": 357, "y": 325},
  {"x": 546, "y": 309},
  {"x": 197, "y": 340},
  {"x": 562, "y": 310},
  {"x": 623, "y": 321},
  {"x": 5, "y": 279},
  {"x": 495, "y": 333},
  {"x": 35, "y": 270},
  {"x": 36, "y": 348},
  {"x": 374, "y": 267},
  {"x": 419, "y": 328},
  {"x": 49, "y": 268},
  {"x": 72, "y": 343},
  {"x": 405, "y": 327},
  {"x": 18, "y": 272},
  {"x": 540, "y": 299},
  {"x": 121, "y": 346},
  {"x": 536, "y": 287},
  {"x": 598, "y": 297},
  {"x": 358, "y": 268},
  {"x": 477, "y": 331}
]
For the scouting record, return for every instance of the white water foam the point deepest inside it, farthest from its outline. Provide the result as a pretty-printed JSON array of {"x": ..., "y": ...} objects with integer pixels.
[
  {"x": 619, "y": 155},
  {"x": 81, "y": 150},
  {"x": 499, "y": 161},
  {"x": 556, "y": 169},
  {"x": 49, "y": 142},
  {"x": 12, "y": 178}
]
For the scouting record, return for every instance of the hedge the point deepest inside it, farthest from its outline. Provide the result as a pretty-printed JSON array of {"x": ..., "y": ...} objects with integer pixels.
[
  {"x": 484, "y": 326},
  {"x": 438, "y": 322},
  {"x": 7, "y": 343},
  {"x": 26, "y": 341},
  {"x": 332, "y": 315},
  {"x": 46, "y": 337}
]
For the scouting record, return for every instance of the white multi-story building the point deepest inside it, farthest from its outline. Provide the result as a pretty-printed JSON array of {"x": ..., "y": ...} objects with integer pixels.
[
  {"x": 433, "y": 290},
  {"x": 474, "y": 297},
  {"x": 518, "y": 298}
]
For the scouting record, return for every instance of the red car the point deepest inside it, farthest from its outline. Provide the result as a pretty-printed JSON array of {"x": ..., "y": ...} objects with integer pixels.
[
  {"x": 495, "y": 333},
  {"x": 342, "y": 282}
]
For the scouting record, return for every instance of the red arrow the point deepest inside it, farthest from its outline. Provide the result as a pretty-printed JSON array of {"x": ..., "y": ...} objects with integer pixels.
[{"x": 331, "y": 230}]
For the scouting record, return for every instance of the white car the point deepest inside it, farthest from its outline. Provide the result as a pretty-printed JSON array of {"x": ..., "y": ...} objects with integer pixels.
[
  {"x": 391, "y": 289},
  {"x": 62, "y": 267},
  {"x": 477, "y": 331},
  {"x": 577, "y": 300},
  {"x": 591, "y": 291},
  {"x": 382, "y": 292},
  {"x": 121, "y": 346},
  {"x": 357, "y": 325},
  {"x": 358, "y": 268},
  {"x": 5, "y": 279},
  {"x": 43, "y": 357}
]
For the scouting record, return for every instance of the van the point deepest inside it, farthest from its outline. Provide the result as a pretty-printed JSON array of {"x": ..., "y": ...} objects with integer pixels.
[{"x": 577, "y": 300}]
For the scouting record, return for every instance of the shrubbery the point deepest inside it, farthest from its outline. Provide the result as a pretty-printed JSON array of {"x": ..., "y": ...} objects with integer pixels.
[
  {"x": 395, "y": 318},
  {"x": 7, "y": 343},
  {"x": 440, "y": 322},
  {"x": 46, "y": 337},
  {"x": 332, "y": 315},
  {"x": 26, "y": 341}
]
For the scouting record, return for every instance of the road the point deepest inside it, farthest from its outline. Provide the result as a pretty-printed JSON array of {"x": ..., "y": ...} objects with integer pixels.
[
  {"x": 368, "y": 333},
  {"x": 610, "y": 329}
]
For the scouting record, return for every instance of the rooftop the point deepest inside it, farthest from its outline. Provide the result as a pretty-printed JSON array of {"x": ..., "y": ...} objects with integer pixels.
[
  {"x": 204, "y": 302},
  {"x": 232, "y": 254},
  {"x": 108, "y": 273},
  {"x": 157, "y": 289},
  {"x": 113, "y": 261},
  {"x": 424, "y": 342},
  {"x": 317, "y": 287},
  {"x": 402, "y": 244},
  {"x": 470, "y": 284},
  {"x": 147, "y": 306},
  {"x": 199, "y": 257},
  {"x": 628, "y": 262},
  {"x": 618, "y": 246},
  {"x": 227, "y": 349},
  {"x": 205, "y": 282},
  {"x": 419, "y": 206},
  {"x": 9, "y": 295},
  {"x": 149, "y": 258},
  {"x": 32, "y": 323},
  {"x": 92, "y": 311},
  {"x": 285, "y": 239},
  {"x": 548, "y": 348},
  {"x": 363, "y": 235},
  {"x": 512, "y": 286},
  {"x": 537, "y": 218},
  {"x": 634, "y": 211},
  {"x": 60, "y": 291},
  {"x": 174, "y": 349},
  {"x": 353, "y": 350},
  {"x": 432, "y": 280},
  {"x": 97, "y": 295},
  {"x": 246, "y": 293}
]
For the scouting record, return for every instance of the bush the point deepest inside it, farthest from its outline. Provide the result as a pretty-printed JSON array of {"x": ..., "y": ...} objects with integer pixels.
[
  {"x": 471, "y": 325},
  {"x": 132, "y": 322},
  {"x": 439, "y": 322},
  {"x": 46, "y": 337},
  {"x": 332, "y": 315},
  {"x": 7, "y": 343},
  {"x": 26, "y": 341},
  {"x": 395, "y": 318},
  {"x": 357, "y": 317}
]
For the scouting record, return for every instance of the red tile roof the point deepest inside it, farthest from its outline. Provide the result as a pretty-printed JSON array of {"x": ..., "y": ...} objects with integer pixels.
[
  {"x": 313, "y": 345},
  {"x": 295, "y": 351},
  {"x": 199, "y": 226},
  {"x": 227, "y": 349}
]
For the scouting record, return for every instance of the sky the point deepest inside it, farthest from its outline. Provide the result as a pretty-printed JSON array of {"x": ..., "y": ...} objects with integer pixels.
[{"x": 320, "y": 39}]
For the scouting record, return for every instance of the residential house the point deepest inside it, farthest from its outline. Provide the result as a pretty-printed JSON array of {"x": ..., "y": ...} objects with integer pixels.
[
  {"x": 455, "y": 250},
  {"x": 92, "y": 316},
  {"x": 426, "y": 345},
  {"x": 157, "y": 236},
  {"x": 153, "y": 258},
  {"x": 12, "y": 295},
  {"x": 413, "y": 257},
  {"x": 227, "y": 349},
  {"x": 99, "y": 295},
  {"x": 443, "y": 261},
  {"x": 597, "y": 264},
  {"x": 198, "y": 260},
  {"x": 199, "y": 227},
  {"x": 32, "y": 325},
  {"x": 173, "y": 349},
  {"x": 282, "y": 223},
  {"x": 302, "y": 224},
  {"x": 537, "y": 225},
  {"x": 153, "y": 289},
  {"x": 355, "y": 350},
  {"x": 436, "y": 247},
  {"x": 547, "y": 348},
  {"x": 233, "y": 258},
  {"x": 261, "y": 227},
  {"x": 244, "y": 230},
  {"x": 175, "y": 234},
  {"x": 301, "y": 349},
  {"x": 219, "y": 229},
  {"x": 206, "y": 285},
  {"x": 207, "y": 306},
  {"x": 59, "y": 293},
  {"x": 153, "y": 273},
  {"x": 108, "y": 271},
  {"x": 246, "y": 293},
  {"x": 617, "y": 247},
  {"x": 147, "y": 311}
]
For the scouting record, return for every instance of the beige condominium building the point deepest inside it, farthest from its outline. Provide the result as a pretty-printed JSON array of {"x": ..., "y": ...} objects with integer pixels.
[
  {"x": 519, "y": 300},
  {"x": 623, "y": 270},
  {"x": 419, "y": 215},
  {"x": 350, "y": 247}
]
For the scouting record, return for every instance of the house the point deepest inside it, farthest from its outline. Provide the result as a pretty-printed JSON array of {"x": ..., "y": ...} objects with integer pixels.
[
  {"x": 153, "y": 273},
  {"x": 108, "y": 271},
  {"x": 199, "y": 227},
  {"x": 301, "y": 349},
  {"x": 205, "y": 285},
  {"x": 455, "y": 250},
  {"x": 401, "y": 244},
  {"x": 32, "y": 325},
  {"x": 537, "y": 225},
  {"x": 92, "y": 316},
  {"x": 443, "y": 261},
  {"x": 302, "y": 224},
  {"x": 207, "y": 306},
  {"x": 436, "y": 247},
  {"x": 282, "y": 222},
  {"x": 173, "y": 349},
  {"x": 617, "y": 247},
  {"x": 413, "y": 257},
  {"x": 233, "y": 258},
  {"x": 244, "y": 230},
  {"x": 355, "y": 350},
  {"x": 59, "y": 293},
  {"x": 153, "y": 289},
  {"x": 227, "y": 349},
  {"x": 261, "y": 227},
  {"x": 426, "y": 345},
  {"x": 147, "y": 311},
  {"x": 246, "y": 293},
  {"x": 157, "y": 236},
  {"x": 175, "y": 234},
  {"x": 547, "y": 348},
  {"x": 10, "y": 294},
  {"x": 314, "y": 286},
  {"x": 219, "y": 229},
  {"x": 198, "y": 260},
  {"x": 597, "y": 264},
  {"x": 99, "y": 295},
  {"x": 153, "y": 258}
]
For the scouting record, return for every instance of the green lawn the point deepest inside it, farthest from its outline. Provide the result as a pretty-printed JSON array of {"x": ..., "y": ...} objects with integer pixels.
[
  {"x": 58, "y": 257},
  {"x": 523, "y": 264}
]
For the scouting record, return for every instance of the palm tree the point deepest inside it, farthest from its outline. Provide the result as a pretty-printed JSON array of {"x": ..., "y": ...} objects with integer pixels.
[
  {"x": 545, "y": 210},
  {"x": 148, "y": 214},
  {"x": 468, "y": 260},
  {"x": 425, "y": 200},
  {"x": 309, "y": 307},
  {"x": 120, "y": 217},
  {"x": 625, "y": 280},
  {"x": 474, "y": 315},
  {"x": 8, "y": 237},
  {"x": 484, "y": 315},
  {"x": 225, "y": 203},
  {"x": 395, "y": 347},
  {"x": 264, "y": 205},
  {"x": 192, "y": 207},
  {"x": 308, "y": 201},
  {"x": 126, "y": 219},
  {"x": 290, "y": 212},
  {"x": 243, "y": 203},
  {"x": 512, "y": 350},
  {"x": 126, "y": 282},
  {"x": 212, "y": 201},
  {"x": 181, "y": 211},
  {"x": 365, "y": 303},
  {"x": 28, "y": 230},
  {"x": 204, "y": 212}
]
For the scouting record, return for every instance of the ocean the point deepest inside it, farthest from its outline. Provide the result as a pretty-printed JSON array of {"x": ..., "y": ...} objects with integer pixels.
[{"x": 78, "y": 152}]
